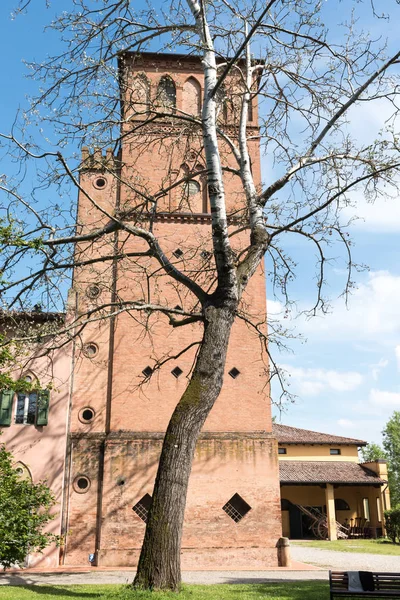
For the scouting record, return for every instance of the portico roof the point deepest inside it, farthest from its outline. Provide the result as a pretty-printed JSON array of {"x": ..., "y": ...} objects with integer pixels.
[
  {"x": 297, "y": 472},
  {"x": 294, "y": 435}
]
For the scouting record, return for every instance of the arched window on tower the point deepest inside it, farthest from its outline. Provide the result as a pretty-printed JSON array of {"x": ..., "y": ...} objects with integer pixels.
[
  {"x": 192, "y": 194},
  {"x": 140, "y": 94},
  {"x": 191, "y": 101},
  {"x": 166, "y": 92}
]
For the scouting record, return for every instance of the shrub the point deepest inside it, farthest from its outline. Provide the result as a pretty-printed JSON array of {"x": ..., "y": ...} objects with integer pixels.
[
  {"x": 392, "y": 518},
  {"x": 24, "y": 512}
]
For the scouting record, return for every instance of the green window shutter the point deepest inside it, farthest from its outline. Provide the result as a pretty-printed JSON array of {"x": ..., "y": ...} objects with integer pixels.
[
  {"x": 42, "y": 414},
  {"x": 6, "y": 401}
]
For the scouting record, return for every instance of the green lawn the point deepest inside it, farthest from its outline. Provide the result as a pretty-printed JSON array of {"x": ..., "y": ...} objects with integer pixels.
[
  {"x": 365, "y": 546},
  {"x": 304, "y": 590}
]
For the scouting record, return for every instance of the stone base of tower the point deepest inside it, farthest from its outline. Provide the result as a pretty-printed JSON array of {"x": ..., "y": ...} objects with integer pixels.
[{"x": 232, "y": 519}]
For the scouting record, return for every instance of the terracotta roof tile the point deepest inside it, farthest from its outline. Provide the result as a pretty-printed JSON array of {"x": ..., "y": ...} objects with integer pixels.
[
  {"x": 307, "y": 472},
  {"x": 293, "y": 435}
]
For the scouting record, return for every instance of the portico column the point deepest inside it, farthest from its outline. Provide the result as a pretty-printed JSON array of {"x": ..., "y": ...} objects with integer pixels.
[
  {"x": 330, "y": 511},
  {"x": 382, "y": 509}
]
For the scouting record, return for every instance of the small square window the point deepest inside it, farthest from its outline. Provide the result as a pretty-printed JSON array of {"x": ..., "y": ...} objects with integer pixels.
[
  {"x": 205, "y": 254},
  {"x": 147, "y": 371},
  {"x": 234, "y": 372},
  {"x": 142, "y": 507},
  {"x": 178, "y": 253},
  {"x": 282, "y": 451},
  {"x": 177, "y": 372},
  {"x": 236, "y": 508},
  {"x": 335, "y": 451}
]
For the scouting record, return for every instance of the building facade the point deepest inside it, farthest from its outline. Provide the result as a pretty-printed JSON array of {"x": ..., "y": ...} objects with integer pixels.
[
  {"x": 121, "y": 403},
  {"x": 33, "y": 425},
  {"x": 325, "y": 492}
]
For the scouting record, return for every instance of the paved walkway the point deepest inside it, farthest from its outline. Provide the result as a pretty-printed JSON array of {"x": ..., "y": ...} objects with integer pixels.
[
  {"x": 315, "y": 565},
  {"x": 30, "y": 577}
]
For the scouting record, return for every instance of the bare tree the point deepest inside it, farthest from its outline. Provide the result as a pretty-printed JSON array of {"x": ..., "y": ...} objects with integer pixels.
[{"x": 279, "y": 55}]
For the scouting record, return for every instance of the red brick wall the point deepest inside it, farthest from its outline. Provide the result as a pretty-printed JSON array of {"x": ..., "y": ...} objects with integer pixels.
[{"x": 224, "y": 465}]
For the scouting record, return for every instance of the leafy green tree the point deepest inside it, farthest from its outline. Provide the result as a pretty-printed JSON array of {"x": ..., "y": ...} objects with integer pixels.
[
  {"x": 391, "y": 445},
  {"x": 392, "y": 518},
  {"x": 24, "y": 513},
  {"x": 372, "y": 452}
]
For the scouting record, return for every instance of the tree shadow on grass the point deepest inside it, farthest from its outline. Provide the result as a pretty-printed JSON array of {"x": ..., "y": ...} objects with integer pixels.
[
  {"x": 25, "y": 578},
  {"x": 63, "y": 591},
  {"x": 282, "y": 590}
]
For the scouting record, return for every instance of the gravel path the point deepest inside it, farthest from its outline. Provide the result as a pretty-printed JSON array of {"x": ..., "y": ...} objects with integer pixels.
[{"x": 351, "y": 561}]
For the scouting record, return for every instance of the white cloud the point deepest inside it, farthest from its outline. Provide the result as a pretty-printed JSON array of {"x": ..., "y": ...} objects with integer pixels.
[
  {"x": 380, "y": 216},
  {"x": 274, "y": 308},
  {"x": 377, "y": 368},
  {"x": 345, "y": 423},
  {"x": 383, "y": 215},
  {"x": 311, "y": 382},
  {"x": 374, "y": 113},
  {"x": 309, "y": 388},
  {"x": 384, "y": 399},
  {"x": 397, "y": 352},
  {"x": 373, "y": 314}
]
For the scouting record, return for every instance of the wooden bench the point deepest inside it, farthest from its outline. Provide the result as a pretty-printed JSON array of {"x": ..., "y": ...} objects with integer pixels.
[{"x": 387, "y": 585}]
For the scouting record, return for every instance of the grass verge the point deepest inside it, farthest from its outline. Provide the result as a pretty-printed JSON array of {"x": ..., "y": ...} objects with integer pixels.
[
  {"x": 381, "y": 546},
  {"x": 288, "y": 590}
]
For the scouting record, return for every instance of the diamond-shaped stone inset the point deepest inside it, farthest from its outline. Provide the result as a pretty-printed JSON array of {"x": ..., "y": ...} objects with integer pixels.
[
  {"x": 178, "y": 253},
  {"x": 147, "y": 371},
  {"x": 236, "y": 508},
  {"x": 234, "y": 372},
  {"x": 142, "y": 507},
  {"x": 177, "y": 372}
]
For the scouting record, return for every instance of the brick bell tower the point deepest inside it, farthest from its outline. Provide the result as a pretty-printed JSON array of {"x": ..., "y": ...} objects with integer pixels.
[{"x": 120, "y": 403}]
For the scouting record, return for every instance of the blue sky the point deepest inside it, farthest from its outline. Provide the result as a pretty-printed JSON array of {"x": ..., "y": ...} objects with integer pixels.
[{"x": 346, "y": 376}]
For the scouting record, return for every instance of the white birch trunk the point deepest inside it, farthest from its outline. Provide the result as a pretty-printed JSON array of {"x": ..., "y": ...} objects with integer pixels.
[{"x": 222, "y": 250}]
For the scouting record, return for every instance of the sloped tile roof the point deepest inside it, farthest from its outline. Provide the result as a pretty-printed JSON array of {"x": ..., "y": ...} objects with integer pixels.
[
  {"x": 316, "y": 472},
  {"x": 293, "y": 435}
]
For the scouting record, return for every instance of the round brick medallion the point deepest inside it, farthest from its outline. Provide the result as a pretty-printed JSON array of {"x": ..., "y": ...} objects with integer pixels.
[{"x": 81, "y": 484}]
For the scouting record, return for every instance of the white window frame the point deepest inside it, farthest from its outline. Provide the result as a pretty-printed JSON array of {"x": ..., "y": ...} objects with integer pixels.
[
  {"x": 378, "y": 509},
  {"x": 367, "y": 513},
  {"x": 26, "y": 408}
]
